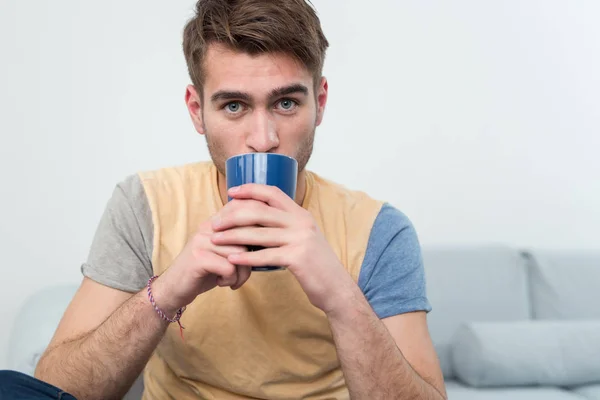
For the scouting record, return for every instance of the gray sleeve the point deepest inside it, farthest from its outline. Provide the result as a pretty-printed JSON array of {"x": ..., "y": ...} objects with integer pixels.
[
  {"x": 121, "y": 253},
  {"x": 392, "y": 276}
]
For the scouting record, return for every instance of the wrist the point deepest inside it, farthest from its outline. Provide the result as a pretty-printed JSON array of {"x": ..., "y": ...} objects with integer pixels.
[
  {"x": 161, "y": 313},
  {"x": 162, "y": 295},
  {"x": 344, "y": 300}
]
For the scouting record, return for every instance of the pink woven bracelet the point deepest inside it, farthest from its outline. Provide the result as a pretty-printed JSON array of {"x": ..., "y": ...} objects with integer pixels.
[{"x": 162, "y": 315}]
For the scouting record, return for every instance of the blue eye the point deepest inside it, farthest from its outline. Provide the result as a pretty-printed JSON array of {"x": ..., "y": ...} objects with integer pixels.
[
  {"x": 233, "y": 107},
  {"x": 287, "y": 104}
]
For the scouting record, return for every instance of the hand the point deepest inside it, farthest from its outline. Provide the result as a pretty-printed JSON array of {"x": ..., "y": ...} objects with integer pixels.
[
  {"x": 261, "y": 215},
  {"x": 199, "y": 267}
]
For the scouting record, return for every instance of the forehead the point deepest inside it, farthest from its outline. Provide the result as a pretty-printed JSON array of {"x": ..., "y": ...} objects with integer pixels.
[{"x": 227, "y": 69}]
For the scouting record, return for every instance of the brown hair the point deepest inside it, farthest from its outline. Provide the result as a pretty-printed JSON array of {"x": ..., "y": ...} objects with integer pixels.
[{"x": 255, "y": 27}]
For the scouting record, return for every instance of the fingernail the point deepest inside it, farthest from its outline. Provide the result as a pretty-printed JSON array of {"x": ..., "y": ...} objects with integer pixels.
[
  {"x": 234, "y": 189},
  {"x": 216, "y": 220}
]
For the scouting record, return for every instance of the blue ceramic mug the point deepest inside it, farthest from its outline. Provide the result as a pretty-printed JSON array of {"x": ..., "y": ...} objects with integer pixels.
[{"x": 263, "y": 168}]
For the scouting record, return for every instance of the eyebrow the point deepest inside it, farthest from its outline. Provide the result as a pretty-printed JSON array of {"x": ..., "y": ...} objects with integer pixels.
[
  {"x": 277, "y": 92},
  {"x": 291, "y": 89},
  {"x": 229, "y": 95}
]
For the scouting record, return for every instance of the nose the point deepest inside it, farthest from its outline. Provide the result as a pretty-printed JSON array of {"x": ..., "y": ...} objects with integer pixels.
[{"x": 262, "y": 136}]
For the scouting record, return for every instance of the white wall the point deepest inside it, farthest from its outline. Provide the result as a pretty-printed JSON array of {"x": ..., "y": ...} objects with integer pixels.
[{"x": 480, "y": 120}]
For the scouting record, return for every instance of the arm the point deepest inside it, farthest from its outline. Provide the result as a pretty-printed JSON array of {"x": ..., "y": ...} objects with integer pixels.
[
  {"x": 374, "y": 366},
  {"x": 101, "y": 359},
  {"x": 92, "y": 345},
  {"x": 107, "y": 334},
  {"x": 379, "y": 359},
  {"x": 392, "y": 279}
]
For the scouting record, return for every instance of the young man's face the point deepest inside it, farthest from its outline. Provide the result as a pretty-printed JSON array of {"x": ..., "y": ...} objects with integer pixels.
[{"x": 263, "y": 103}]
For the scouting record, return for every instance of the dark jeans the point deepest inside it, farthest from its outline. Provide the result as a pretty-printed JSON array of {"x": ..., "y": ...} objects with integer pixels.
[{"x": 18, "y": 386}]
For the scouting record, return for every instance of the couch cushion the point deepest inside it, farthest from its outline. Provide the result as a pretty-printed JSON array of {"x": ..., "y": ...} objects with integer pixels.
[
  {"x": 35, "y": 324},
  {"x": 472, "y": 284},
  {"x": 591, "y": 392},
  {"x": 456, "y": 391},
  {"x": 565, "y": 284},
  {"x": 552, "y": 353}
]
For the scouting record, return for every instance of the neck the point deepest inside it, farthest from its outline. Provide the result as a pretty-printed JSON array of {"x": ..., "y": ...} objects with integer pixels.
[{"x": 300, "y": 187}]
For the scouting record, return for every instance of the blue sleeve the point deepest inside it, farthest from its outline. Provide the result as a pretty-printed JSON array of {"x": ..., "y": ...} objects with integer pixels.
[{"x": 392, "y": 276}]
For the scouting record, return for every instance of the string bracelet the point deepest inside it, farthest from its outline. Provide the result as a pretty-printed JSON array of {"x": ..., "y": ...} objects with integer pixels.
[{"x": 160, "y": 312}]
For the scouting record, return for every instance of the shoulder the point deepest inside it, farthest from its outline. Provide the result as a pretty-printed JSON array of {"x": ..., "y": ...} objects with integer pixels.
[
  {"x": 130, "y": 189},
  {"x": 392, "y": 236},
  {"x": 128, "y": 205},
  {"x": 135, "y": 196},
  {"x": 391, "y": 221},
  {"x": 120, "y": 254},
  {"x": 340, "y": 196},
  {"x": 176, "y": 173},
  {"x": 392, "y": 276},
  {"x": 177, "y": 182}
]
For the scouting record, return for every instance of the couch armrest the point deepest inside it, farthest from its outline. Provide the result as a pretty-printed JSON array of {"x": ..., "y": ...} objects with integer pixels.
[{"x": 35, "y": 324}]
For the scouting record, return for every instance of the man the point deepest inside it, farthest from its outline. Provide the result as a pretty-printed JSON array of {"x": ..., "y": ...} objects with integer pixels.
[{"x": 345, "y": 319}]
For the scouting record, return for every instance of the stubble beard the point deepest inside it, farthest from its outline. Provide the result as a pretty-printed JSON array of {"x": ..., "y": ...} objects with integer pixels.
[{"x": 217, "y": 152}]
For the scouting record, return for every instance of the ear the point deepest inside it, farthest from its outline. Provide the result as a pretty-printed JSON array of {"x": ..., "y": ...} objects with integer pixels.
[
  {"x": 322, "y": 90},
  {"x": 194, "y": 106}
]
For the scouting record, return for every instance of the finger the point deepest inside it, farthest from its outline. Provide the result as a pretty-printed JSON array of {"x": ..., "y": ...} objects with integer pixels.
[
  {"x": 243, "y": 274},
  {"x": 204, "y": 242},
  {"x": 269, "y": 194},
  {"x": 274, "y": 257},
  {"x": 250, "y": 213},
  {"x": 224, "y": 281},
  {"x": 225, "y": 250},
  {"x": 251, "y": 236},
  {"x": 221, "y": 267}
]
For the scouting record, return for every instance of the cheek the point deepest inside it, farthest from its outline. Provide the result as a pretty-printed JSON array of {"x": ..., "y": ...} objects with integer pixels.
[
  {"x": 294, "y": 134},
  {"x": 296, "y": 127},
  {"x": 222, "y": 128}
]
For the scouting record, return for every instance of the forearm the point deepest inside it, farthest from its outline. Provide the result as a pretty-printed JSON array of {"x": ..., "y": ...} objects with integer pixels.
[
  {"x": 105, "y": 362},
  {"x": 373, "y": 365}
]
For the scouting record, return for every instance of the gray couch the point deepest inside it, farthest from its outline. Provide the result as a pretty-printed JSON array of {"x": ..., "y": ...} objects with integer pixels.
[
  {"x": 511, "y": 324},
  {"x": 507, "y": 324}
]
